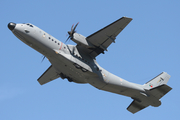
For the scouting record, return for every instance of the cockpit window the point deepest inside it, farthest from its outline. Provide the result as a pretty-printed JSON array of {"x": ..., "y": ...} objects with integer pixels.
[{"x": 29, "y": 25}]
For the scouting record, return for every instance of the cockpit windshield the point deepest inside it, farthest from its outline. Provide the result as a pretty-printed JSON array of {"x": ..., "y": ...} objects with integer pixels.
[{"x": 29, "y": 25}]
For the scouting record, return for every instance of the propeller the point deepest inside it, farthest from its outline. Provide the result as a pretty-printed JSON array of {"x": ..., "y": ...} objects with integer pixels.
[{"x": 72, "y": 31}]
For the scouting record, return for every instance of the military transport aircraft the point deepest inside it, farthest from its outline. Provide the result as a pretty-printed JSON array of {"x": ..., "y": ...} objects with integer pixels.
[{"x": 77, "y": 63}]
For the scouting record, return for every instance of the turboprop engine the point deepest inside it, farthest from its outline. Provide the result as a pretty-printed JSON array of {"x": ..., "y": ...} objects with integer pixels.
[{"x": 78, "y": 38}]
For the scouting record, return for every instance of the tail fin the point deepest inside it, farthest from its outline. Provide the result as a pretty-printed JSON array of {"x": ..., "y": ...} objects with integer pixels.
[
  {"x": 159, "y": 80},
  {"x": 155, "y": 89},
  {"x": 158, "y": 86}
]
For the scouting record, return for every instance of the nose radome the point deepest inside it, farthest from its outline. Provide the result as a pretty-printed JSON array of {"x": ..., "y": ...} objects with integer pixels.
[{"x": 11, "y": 26}]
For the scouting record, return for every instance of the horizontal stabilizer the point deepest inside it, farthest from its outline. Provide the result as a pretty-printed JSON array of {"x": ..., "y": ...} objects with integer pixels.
[
  {"x": 160, "y": 91},
  {"x": 136, "y": 106},
  {"x": 155, "y": 90},
  {"x": 49, "y": 75}
]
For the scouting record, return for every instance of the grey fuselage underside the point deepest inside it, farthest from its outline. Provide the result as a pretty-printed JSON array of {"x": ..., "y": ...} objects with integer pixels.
[{"x": 63, "y": 57}]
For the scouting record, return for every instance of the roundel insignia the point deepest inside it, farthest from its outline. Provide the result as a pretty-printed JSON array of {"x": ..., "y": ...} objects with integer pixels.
[{"x": 150, "y": 85}]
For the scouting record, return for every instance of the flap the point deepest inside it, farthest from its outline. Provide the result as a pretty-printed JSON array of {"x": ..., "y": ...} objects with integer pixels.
[{"x": 49, "y": 75}]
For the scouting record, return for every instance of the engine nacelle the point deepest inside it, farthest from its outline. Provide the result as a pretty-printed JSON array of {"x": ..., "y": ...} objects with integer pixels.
[{"x": 81, "y": 40}]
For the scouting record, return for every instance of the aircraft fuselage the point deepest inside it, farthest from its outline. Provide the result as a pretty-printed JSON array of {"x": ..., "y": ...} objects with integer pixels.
[{"x": 70, "y": 64}]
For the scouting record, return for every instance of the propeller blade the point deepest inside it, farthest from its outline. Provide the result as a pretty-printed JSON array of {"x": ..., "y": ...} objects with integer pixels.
[
  {"x": 75, "y": 27},
  {"x": 67, "y": 38},
  {"x": 43, "y": 59},
  {"x": 72, "y": 27}
]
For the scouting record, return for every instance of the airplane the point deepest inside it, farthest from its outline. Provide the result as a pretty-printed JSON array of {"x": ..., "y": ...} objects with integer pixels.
[{"x": 77, "y": 63}]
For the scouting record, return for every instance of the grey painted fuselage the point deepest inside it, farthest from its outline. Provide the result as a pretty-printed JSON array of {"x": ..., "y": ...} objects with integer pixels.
[
  {"x": 72, "y": 62},
  {"x": 63, "y": 57}
]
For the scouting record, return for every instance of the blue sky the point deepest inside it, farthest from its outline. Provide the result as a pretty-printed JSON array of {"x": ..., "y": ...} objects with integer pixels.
[{"x": 149, "y": 45}]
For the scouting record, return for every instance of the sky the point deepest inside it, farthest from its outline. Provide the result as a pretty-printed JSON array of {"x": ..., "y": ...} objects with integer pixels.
[{"x": 149, "y": 45}]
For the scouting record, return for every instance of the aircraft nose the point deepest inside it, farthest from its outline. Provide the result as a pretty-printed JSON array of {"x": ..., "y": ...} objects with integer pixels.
[{"x": 11, "y": 26}]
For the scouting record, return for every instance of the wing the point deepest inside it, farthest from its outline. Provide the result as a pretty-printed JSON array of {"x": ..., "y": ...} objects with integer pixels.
[
  {"x": 104, "y": 37},
  {"x": 49, "y": 75}
]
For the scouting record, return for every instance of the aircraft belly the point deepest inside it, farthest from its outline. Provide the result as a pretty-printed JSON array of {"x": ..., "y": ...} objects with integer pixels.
[
  {"x": 82, "y": 64},
  {"x": 122, "y": 90},
  {"x": 98, "y": 78},
  {"x": 96, "y": 82},
  {"x": 118, "y": 85},
  {"x": 65, "y": 66}
]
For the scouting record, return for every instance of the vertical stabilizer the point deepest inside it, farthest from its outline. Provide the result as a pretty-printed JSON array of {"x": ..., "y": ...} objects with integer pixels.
[
  {"x": 159, "y": 80},
  {"x": 155, "y": 90}
]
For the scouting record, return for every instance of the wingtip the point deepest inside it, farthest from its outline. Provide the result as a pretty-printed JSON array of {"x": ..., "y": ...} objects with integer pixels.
[{"x": 127, "y": 18}]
